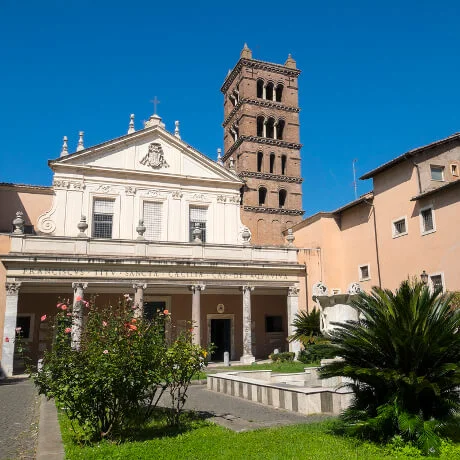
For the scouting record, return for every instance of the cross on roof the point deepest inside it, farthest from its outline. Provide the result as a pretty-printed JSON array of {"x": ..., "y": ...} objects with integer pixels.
[{"x": 155, "y": 102}]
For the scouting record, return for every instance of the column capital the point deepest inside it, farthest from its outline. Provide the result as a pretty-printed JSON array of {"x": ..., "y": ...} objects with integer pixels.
[
  {"x": 12, "y": 288},
  {"x": 246, "y": 288},
  {"x": 79, "y": 285},
  {"x": 139, "y": 285},
  {"x": 293, "y": 291},
  {"x": 197, "y": 287}
]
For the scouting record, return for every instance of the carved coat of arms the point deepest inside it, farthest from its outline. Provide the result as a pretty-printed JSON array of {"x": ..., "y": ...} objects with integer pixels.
[{"x": 155, "y": 157}]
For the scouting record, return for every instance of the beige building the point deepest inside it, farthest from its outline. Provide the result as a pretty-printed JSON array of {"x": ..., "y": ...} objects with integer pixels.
[
  {"x": 408, "y": 224},
  {"x": 145, "y": 214}
]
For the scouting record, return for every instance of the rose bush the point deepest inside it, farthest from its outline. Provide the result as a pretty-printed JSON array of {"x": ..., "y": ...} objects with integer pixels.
[{"x": 122, "y": 366}]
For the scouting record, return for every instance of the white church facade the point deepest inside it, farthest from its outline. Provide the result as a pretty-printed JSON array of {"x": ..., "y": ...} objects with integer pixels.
[{"x": 145, "y": 214}]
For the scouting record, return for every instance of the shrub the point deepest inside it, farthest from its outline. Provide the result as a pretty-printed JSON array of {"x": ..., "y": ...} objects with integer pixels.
[
  {"x": 122, "y": 367},
  {"x": 403, "y": 357},
  {"x": 306, "y": 326},
  {"x": 315, "y": 352},
  {"x": 282, "y": 357}
]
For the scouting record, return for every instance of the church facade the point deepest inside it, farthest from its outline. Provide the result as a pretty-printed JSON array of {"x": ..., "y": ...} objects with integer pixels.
[{"x": 147, "y": 214}]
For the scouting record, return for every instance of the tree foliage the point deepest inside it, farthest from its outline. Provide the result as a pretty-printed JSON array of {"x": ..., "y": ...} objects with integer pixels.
[
  {"x": 403, "y": 359},
  {"x": 306, "y": 326}
]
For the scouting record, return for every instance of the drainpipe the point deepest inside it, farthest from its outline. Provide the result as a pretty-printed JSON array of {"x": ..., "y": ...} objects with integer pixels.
[
  {"x": 376, "y": 243},
  {"x": 418, "y": 173}
]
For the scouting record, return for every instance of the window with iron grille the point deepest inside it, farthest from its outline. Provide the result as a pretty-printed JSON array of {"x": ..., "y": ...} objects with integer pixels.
[
  {"x": 102, "y": 218},
  {"x": 436, "y": 281},
  {"x": 152, "y": 220},
  {"x": 427, "y": 220},
  {"x": 364, "y": 272},
  {"x": 198, "y": 215},
  {"x": 399, "y": 227}
]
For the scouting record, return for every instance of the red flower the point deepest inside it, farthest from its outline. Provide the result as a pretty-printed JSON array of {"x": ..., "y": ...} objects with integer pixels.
[
  {"x": 63, "y": 307},
  {"x": 68, "y": 330},
  {"x": 132, "y": 327},
  {"x": 78, "y": 298},
  {"x": 43, "y": 318},
  {"x": 59, "y": 305},
  {"x": 166, "y": 312}
]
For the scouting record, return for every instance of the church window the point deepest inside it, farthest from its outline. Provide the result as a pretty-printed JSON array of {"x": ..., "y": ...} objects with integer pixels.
[
  {"x": 152, "y": 220},
  {"x": 260, "y": 126},
  {"x": 198, "y": 215},
  {"x": 282, "y": 194},
  {"x": 260, "y": 159},
  {"x": 270, "y": 128},
  {"x": 279, "y": 129},
  {"x": 283, "y": 164},
  {"x": 102, "y": 218},
  {"x": 260, "y": 89},
  {"x": 279, "y": 92},
  {"x": 272, "y": 163},
  {"x": 262, "y": 196},
  {"x": 269, "y": 92}
]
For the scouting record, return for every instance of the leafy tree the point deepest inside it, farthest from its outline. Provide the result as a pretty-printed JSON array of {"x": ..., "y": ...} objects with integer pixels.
[
  {"x": 307, "y": 326},
  {"x": 403, "y": 358}
]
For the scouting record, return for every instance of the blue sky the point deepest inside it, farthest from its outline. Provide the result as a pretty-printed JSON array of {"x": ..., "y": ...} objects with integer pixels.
[{"x": 378, "y": 77}]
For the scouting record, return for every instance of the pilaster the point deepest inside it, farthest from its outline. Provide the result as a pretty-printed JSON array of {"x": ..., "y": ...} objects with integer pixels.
[
  {"x": 9, "y": 328},
  {"x": 247, "y": 357},
  {"x": 292, "y": 309}
]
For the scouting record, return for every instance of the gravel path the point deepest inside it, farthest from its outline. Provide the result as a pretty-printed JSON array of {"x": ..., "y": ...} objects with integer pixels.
[
  {"x": 239, "y": 414},
  {"x": 19, "y": 413}
]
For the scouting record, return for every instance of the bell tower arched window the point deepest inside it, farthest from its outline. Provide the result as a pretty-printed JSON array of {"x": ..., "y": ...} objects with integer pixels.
[
  {"x": 260, "y": 160},
  {"x": 260, "y": 89},
  {"x": 272, "y": 163},
  {"x": 280, "y": 129},
  {"x": 262, "y": 196},
  {"x": 279, "y": 92},
  {"x": 269, "y": 91},
  {"x": 260, "y": 126},
  {"x": 270, "y": 128},
  {"x": 283, "y": 164},
  {"x": 282, "y": 194}
]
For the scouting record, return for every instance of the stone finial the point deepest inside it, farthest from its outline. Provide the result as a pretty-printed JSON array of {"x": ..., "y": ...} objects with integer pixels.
[
  {"x": 140, "y": 229},
  {"x": 65, "y": 148},
  {"x": 290, "y": 62},
  {"x": 219, "y": 156},
  {"x": 154, "y": 120},
  {"x": 354, "y": 288},
  {"x": 246, "y": 235},
  {"x": 131, "y": 124},
  {"x": 319, "y": 289},
  {"x": 246, "y": 53},
  {"x": 80, "y": 145},
  {"x": 197, "y": 233},
  {"x": 18, "y": 223},
  {"x": 82, "y": 227},
  {"x": 290, "y": 237},
  {"x": 176, "y": 129},
  {"x": 232, "y": 164}
]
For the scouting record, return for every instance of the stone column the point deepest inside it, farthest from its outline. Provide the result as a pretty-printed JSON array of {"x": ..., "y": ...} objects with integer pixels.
[
  {"x": 77, "y": 316},
  {"x": 196, "y": 311},
  {"x": 264, "y": 92},
  {"x": 247, "y": 357},
  {"x": 9, "y": 328},
  {"x": 139, "y": 299},
  {"x": 292, "y": 309},
  {"x": 264, "y": 133}
]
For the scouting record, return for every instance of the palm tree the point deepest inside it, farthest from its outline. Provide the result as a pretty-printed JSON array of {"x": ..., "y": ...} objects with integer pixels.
[
  {"x": 306, "y": 326},
  {"x": 403, "y": 358}
]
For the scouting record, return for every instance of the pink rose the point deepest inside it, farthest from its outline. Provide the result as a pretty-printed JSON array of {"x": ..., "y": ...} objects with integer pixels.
[
  {"x": 63, "y": 307},
  {"x": 105, "y": 352},
  {"x": 78, "y": 298},
  {"x": 166, "y": 312},
  {"x": 104, "y": 323},
  {"x": 68, "y": 330},
  {"x": 59, "y": 305},
  {"x": 43, "y": 318},
  {"x": 69, "y": 314}
]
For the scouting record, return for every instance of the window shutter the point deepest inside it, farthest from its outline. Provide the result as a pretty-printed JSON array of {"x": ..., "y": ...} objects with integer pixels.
[{"x": 152, "y": 220}]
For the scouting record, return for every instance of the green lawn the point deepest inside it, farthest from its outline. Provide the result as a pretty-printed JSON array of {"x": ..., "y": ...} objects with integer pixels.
[{"x": 201, "y": 440}]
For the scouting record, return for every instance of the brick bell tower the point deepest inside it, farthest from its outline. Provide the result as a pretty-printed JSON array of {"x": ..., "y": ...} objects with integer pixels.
[{"x": 261, "y": 143}]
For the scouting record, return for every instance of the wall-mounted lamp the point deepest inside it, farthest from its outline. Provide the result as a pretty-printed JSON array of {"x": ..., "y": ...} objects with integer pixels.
[{"x": 424, "y": 277}]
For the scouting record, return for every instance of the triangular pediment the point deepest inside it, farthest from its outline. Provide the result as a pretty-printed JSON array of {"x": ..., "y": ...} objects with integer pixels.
[{"x": 149, "y": 151}]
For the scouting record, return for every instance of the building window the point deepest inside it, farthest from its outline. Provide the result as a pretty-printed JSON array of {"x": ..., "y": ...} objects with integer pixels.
[
  {"x": 198, "y": 215},
  {"x": 260, "y": 89},
  {"x": 437, "y": 172},
  {"x": 427, "y": 223},
  {"x": 260, "y": 159},
  {"x": 283, "y": 165},
  {"x": 279, "y": 92},
  {"x": 269, "y": 92},
  {"x": 273, "y": 324},
  {"x": 260, "y": 126},
  {"x": 364, "y": 273},
  {"x": 454, "y": 170},
  {"x": 399, "y": 227},
  {"x": 262, "y": 196},
  {"x": 282, "y": 194},
  {"x": 152, "y": 220},
  {"x": 280, "y": 129},
  {"x": 102, "y": 218},
  {"x": 436, "y": 282},
  {"x": 272, "y": 163},
  {"x": 270, "y": 128}
]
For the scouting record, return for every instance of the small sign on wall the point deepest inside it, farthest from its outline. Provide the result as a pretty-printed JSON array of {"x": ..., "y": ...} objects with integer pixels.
[{"x": 220, "y": 308}]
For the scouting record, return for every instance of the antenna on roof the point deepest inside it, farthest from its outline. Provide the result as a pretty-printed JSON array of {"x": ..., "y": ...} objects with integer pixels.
[{"x": 355, "y": 184}]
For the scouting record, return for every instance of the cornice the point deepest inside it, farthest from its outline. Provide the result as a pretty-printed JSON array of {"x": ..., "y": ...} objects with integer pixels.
[
  {"x": 267, "y": 176},
  {"x": 261, "y": 140},
  {"x": 264, "y": 210},
  {"x": 261, "y": 65},
  {"x": 260, "y": 103}
]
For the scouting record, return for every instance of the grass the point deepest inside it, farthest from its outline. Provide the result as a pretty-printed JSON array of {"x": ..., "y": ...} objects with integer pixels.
[{"x": 199, "y": 439}]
